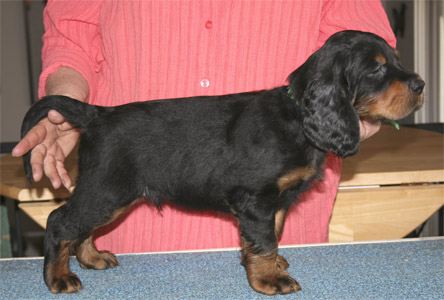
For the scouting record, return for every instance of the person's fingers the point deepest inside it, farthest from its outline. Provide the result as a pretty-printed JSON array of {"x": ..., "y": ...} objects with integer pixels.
[
  {"x": 51, "y": 140},
  {"x": 55, "y": 117},
  {"x": 58, "y": 119},
  {"x": 34, "y": 137},
  {"x": 51, "y": 163},
  {"x": 65, "y": 126},
  {"x": 63, "y": 174},
  {"x": 59, "y": 159},
  {"x": 37, "y": 158},
  {"x": 49, "y": 167}
]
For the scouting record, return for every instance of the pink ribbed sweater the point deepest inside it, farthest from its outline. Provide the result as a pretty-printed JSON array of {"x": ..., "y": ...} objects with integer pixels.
[{"x": 142, "y": 50}]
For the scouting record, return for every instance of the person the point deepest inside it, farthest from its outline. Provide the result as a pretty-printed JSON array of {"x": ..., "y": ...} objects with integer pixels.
[{"x": 114, "y": 52}]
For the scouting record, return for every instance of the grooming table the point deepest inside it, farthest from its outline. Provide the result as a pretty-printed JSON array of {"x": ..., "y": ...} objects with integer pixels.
[{"x": 406, "y": 269}]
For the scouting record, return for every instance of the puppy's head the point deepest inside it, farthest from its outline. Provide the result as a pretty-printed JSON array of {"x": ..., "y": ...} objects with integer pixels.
[{"x": 354, "y": 75}]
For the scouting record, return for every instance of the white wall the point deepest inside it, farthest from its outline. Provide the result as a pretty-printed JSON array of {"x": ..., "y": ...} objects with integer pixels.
[
  {"x": 15, "y": 94},
  {"x": 441, "y": 63},
  {"x": 405, "y": 43},
  {"x": 427, "y": 57}
]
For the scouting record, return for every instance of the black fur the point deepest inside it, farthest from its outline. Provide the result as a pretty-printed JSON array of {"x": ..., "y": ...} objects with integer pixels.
[{"x": 228, "y": 153}]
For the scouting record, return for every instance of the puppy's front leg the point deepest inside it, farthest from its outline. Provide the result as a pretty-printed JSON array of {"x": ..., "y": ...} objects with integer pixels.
[{"x": 265, "y": 268}]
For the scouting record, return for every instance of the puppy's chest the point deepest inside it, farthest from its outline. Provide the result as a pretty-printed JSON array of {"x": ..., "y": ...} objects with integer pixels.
[{"x": 301, "y": 169}]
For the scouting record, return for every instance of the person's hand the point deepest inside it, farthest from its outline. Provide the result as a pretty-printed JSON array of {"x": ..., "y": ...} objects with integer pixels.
[
  {"x": 368, "y": 128},
  {"x": 51, "y": 140}
]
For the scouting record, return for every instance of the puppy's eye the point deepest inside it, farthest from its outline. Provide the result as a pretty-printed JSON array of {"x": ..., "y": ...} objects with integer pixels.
[{"x": 379, "y": 71}]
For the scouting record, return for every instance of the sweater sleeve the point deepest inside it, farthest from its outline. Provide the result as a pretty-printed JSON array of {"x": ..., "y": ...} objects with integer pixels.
[
  {"x": 71, "y": 39},
  {"x": 363, "y": 15}
]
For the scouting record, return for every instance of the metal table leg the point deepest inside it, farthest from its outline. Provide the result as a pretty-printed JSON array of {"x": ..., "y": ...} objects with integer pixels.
[{"x": 18, "y": 229}]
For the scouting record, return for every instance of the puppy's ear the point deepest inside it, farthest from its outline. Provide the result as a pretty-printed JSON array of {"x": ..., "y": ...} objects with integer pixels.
[{"x": 329, "y": 120}]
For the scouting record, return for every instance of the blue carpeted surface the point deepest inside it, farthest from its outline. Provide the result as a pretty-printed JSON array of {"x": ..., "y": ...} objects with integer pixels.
[{"x": 412, "y": 269}]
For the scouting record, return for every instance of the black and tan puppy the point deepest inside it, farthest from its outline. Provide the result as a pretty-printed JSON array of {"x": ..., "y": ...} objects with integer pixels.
[{"x": 248, "y": 154}]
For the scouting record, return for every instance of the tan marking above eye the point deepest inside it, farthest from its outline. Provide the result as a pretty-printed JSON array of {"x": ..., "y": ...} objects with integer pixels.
[{"x": 381, "y": 59}]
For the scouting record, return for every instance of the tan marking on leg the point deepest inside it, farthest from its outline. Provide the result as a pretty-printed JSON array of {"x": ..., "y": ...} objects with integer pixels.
[
  {"x": 90, "y": 258},
  {"x": 58, "y": 274},
  {"x": 279, "y": 226},
  {"x": 266, "y": 272},
  {"x": 279, "y": 220},
  {"x": 115, "y": 214},
  {"x": 88, "y": 255},
  {"x": 281, "y": 262},
  {"x": 293, "y": 177}
]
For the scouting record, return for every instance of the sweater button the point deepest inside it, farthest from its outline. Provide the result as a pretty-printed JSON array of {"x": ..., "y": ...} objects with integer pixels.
[
  {"x": 209, "y": 24},
  {"x": 204, "y": 83}
]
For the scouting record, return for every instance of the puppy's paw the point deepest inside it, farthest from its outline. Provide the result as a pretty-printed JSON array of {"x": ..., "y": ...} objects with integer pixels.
[
  {"x": 66, "y": 283},
  {"x": 271, "y": 284},
  {"x": 98, "y": 260}
]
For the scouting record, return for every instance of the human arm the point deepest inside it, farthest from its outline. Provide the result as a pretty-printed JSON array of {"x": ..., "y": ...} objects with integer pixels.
[
  {"x": 368, "y": 128},
  {"x": 70, "y": 57}
]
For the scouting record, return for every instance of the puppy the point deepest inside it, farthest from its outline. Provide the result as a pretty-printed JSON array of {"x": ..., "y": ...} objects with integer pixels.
[{"x": 248, "y": 154}]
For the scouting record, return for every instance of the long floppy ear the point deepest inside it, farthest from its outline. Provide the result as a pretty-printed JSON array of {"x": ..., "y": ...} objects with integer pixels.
[{"x": 329, "y": 120}]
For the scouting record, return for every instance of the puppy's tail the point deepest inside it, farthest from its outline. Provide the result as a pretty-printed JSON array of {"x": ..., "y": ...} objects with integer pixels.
[{"x": 77, "y": 113}]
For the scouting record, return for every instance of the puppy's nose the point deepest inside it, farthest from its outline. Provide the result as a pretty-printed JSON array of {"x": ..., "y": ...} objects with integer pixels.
[{"x": 416, "y": 86}]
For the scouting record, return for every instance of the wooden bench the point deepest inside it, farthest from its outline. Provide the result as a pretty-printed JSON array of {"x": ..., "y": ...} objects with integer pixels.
[{"x": 393, "y": 185}]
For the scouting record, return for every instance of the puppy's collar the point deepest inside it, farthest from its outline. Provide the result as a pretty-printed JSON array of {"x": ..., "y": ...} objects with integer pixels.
[
  {"x": 395, "y": 124},
  {"x": 292, "y": 96}
]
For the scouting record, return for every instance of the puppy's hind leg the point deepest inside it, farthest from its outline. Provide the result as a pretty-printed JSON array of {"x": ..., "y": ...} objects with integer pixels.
[
  {"x": 59, "y": 244},
  {"x": 88, "y": 255},
  {"x": 91, "y": 258},
  {"x": 69, "y": 231}
]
